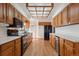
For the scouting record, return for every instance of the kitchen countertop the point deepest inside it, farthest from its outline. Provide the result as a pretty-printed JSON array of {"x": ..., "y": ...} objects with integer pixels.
[
  {"x": 70, "y": 37},
  {"x": 5, "y": 39},
  {"x": 67, "y": 36}
]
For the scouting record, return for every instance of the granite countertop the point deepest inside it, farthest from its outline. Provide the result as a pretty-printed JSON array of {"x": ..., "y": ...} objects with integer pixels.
[{"x": 5, "y": 39}]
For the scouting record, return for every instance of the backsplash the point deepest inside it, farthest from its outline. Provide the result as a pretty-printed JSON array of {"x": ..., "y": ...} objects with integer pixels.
[
  {"x": 3, "y": 31},
  {"x": 73, "y": 29}
]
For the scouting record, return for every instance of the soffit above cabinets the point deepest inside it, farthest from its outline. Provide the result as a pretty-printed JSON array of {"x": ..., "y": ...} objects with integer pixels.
[{"x": 40, "y": 10}]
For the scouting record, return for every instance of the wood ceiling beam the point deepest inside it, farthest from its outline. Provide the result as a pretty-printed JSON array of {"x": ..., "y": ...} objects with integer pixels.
[{"x": 39, "y": 10}]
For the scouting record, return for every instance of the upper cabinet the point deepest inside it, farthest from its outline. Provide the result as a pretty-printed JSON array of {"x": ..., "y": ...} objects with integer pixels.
[
  {"x": 10, "y": 13},
  {"x": 2, "y": 20},
  {"x": 59, "y": 19},
  {"x": 69, "y": 15},
  {"x": 65, "y": 16},
  {"x": 73, "y": 13}
]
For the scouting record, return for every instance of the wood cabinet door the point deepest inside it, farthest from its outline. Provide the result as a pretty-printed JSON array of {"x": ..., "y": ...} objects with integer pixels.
[
  {"x": 10, "y": 12},
  {"x": 55, "y": 22},
  {"x": 59, "y": 19},
  {"x": 61, "y": 46},
  {"x": 17, "y": 51},
  {"x": 1, "y": 13},
  {"x": 8, "y": 52},
  {"x": 73, "y": 13},
  {"x": 53, "y": 41},
  {"x": 16, "y": 13},
  {"x": 5, "y": 12},
  {"x": 68, "y": 50},
  {"x": 65, "y": 16}
]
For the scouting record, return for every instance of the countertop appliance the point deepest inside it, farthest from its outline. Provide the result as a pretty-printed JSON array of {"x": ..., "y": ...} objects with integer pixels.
[{"x": 12, "y": 32}]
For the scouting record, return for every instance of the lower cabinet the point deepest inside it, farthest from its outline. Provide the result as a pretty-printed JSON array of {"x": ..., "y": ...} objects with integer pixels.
[
  {"x": 61, "y": 46},
  {"x": 68, "y": 48},
  {"x": 12, "y": 48},
  {"x": 17, "y": 51},
  {"x": 7, "y": 49},
  {"x": 52, "y": 40}
]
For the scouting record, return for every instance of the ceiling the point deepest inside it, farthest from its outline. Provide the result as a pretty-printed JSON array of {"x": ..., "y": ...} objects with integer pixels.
[
  {"x": 23, "y": 8},
  {"x": 39, "y": 10}
]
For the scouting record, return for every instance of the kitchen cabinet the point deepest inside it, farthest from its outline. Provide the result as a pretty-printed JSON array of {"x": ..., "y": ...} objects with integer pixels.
[
  {"x": 54, "y": 22},
  {"x": 7, "y": 49},
  {"x": 10, "y": 13},
  {"x": 59, "y": 19},
  {"x": 16, "y": 13},
  {"x": 5, "y": 12},
  {"x": 52, "y": 40},
  {"x": 73, "y": 13},
  {"x": 12, "y": 48},
  {"x": 68, "y": 48},
  {"x": 2, "y": 20},
  {"x": 65, "y": 16},
  {"x": 61, "y": 46},
  {"x": 69, "y": 15},
  {"x": 17, "y": 51}
]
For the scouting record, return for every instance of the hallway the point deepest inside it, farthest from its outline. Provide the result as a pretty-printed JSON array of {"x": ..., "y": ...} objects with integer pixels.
[{"x": 40, "y": 47}]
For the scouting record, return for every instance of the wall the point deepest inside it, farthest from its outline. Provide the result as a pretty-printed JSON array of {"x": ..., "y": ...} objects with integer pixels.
[
  {"x": 3, "y": 31},
  {"x": 40, "y": 31},
  {"x": 68, "y": 31}
]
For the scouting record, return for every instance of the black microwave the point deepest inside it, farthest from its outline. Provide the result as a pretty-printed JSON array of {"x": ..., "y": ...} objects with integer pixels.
[{"x": 12, "y": 32}]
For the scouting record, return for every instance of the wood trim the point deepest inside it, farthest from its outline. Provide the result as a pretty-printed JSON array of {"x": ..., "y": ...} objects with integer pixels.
[{"x": 44, "y": 23}]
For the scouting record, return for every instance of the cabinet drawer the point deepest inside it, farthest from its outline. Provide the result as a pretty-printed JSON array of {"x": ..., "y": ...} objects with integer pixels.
[
  {"x": 7, "y": 45},
  {"x": 7, "y": 52},
  {"x": 69, "y": 43}
]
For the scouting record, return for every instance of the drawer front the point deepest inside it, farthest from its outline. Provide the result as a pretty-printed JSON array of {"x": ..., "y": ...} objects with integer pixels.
[
  {"x": 7, "y": 45},
  {"x": 7, "y": 52},
  {"x": 69, "y": 43}
]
